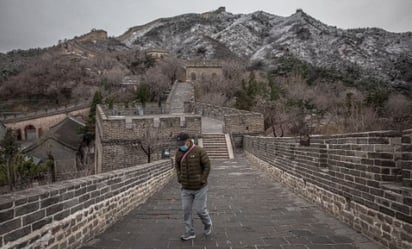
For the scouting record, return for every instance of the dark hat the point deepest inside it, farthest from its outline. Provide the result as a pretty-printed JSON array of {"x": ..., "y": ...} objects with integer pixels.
[{"x": 181, "y": 138}]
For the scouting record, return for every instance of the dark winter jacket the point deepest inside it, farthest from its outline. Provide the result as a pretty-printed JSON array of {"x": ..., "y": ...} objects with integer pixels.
[{"x": 194, "y": 170}]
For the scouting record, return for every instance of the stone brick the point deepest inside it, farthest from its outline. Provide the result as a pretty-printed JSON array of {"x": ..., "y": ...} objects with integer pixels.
[
  {"x": 28, "y": 208},
  {"x": 70, "y": 203},
  {"x": 401, "y": 208},
  {"x": 380, "y": 155},
  {"x": 76, "y": 208},
  {"x": 10, "y": 225},
  {"x": 406, "y": 140},
  {"x": 407, "y": 201},
  {"x": 17, "y": 234},
  {"x": 6, "y": 203},
  {"x": 407, "y": 156},
  {"x": 28, "y": 219},
  {"x": 6, "y": 215},
  {"x": 91, "y": 188},
  {"x": 49, "y": 201},
  {"x": 67, "y": 195},
  {"x": 404, "y": 217},
  {"x": 61, "y": 215},
  {"x": 80, "y": 191},
  {"x": 406, "y": 237},
  {"x": 54, "y": 209},
  {"x": 84, "y": 198}
]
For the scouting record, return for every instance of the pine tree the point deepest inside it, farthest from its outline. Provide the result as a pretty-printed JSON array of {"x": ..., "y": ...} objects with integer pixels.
[
  {"x": 8, "y": 153},
  {"x": 89, "y": 130}
]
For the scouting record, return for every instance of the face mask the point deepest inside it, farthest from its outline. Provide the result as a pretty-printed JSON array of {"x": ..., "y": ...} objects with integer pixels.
[{"x": 184, "y": 147}]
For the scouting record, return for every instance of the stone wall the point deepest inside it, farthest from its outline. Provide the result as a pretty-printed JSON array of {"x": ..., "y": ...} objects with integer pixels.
[
  {"x": 118, "y": 138},
  {"x": 43, "y": 113},
  {"x": 94, "y": 35},
  {"x": 406, "y": 162},
  {"x": 42, "y": 121},
  {"x": 202, "y": 71},
  {"x": 363, "y": 178},
  {"x": 236, "y": 122},
  {"x": 69, "y": 213},
  {"x": 137, "y": 110}
]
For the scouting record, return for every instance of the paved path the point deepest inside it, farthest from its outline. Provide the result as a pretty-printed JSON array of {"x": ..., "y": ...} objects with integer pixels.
[
  {"x": 248, "y": 211},
  {"x": 210, "y": 125},
  {"x": 184, "y": 92}
]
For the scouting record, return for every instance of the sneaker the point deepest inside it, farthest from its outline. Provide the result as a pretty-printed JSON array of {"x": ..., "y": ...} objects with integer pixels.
[
  {"x": 187, "y": 236},
  {"x": 208, "y": 229}
]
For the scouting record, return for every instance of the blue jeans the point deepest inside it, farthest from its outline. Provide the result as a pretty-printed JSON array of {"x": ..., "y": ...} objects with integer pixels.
[{"x": 196, "y": 199}]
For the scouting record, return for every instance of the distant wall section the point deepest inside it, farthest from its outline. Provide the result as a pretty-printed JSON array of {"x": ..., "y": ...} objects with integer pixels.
[
  {"x": 34, "y": 125},
  {"x": 119, "y": 139},
  {"x": 201, "y": 71},
  {"x": 236, "y": 122}
]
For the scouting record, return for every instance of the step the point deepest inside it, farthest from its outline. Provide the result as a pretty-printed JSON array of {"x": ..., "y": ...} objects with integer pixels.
[{"x": 215, "y": 146}]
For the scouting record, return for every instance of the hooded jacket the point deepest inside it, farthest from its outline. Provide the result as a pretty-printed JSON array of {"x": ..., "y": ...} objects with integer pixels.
[{"x": 193, "y": 171}]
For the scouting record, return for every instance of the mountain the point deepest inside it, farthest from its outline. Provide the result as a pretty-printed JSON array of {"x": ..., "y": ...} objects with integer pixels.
[
  {"x": 261, "y": 37},
  {"x": 74, "y": 69}
]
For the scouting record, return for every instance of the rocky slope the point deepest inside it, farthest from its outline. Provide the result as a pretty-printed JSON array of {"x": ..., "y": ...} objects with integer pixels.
[{"x": 262, "y": 37}]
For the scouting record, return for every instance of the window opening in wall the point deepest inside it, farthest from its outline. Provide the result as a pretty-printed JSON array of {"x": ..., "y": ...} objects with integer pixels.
[
  {"x": 193, "y": 76},
  {"x": 18, "y": 135},
  {"x": 30, "y": 132}
]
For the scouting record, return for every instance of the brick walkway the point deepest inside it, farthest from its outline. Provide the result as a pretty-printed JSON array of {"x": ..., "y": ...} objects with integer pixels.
[{"x": 248, "y": 211}]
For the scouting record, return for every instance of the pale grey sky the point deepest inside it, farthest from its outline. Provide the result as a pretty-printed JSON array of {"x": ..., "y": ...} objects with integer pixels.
[{"x": 40, "y": 23}]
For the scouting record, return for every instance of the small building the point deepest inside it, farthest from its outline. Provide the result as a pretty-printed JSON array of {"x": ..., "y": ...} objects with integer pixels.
[
  {"x": 203, "y": 71},
  {"x": 62, "y": 143},
  {"x": 157, "y": 53}
]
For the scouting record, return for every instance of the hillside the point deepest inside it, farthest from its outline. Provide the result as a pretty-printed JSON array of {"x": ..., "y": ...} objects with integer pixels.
[
  {"x": 74, "y": 69},
  {"x": 261, "y": 37}
]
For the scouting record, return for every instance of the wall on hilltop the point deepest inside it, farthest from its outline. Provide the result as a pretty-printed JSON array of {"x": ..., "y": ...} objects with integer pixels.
[
  {"x": 94, "y": 35},
  {"x": 364, "y": 179}
]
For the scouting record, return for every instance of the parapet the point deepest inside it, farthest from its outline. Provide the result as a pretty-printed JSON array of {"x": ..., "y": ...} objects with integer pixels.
[
  {"x": 134, "y": 127},
  {"x": 236, "y": 121}
]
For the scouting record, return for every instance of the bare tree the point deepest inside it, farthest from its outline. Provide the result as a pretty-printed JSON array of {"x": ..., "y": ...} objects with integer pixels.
[
  {"x": 398, "y": 109},
  {"x": 148, "y": 142}
]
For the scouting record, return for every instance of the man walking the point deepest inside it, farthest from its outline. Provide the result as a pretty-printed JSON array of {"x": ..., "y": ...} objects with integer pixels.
[{"x": 192, "y": 169}]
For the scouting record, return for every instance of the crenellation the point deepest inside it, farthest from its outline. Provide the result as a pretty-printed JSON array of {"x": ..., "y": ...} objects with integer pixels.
[
  {"x": 235, "y": 121},
  {"x": 361, "y": 178},
  {"x": 121, "y": 141},
  {"x": 77, "y": 213}
]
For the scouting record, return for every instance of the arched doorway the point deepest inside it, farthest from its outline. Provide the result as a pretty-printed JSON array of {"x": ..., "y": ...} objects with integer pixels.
[
  {"x": 30, "y": 132},
  {"x": 18, "y": 135}
]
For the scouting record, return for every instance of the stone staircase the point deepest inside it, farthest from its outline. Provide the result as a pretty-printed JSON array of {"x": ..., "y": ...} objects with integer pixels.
[
  {"x": 182, "y": 92},
  {"x": 216, "y": 146}
]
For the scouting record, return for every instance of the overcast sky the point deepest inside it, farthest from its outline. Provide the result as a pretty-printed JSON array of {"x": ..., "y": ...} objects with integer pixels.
[{"x": 41, "y": 23}]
